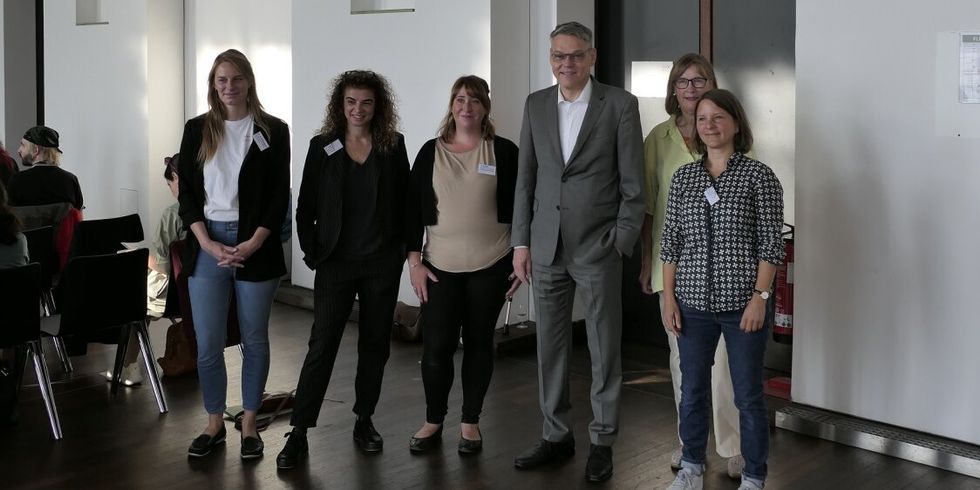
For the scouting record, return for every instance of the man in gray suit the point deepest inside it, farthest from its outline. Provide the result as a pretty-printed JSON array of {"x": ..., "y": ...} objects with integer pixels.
[{"x": 578, "y": 210}]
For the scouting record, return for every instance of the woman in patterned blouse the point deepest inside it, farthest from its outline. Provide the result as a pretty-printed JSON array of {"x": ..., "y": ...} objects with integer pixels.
[{"x": 720, "y": 247}]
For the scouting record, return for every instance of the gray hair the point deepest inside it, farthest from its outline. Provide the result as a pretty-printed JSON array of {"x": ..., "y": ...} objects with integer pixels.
[{"x": 574, "y": 29}]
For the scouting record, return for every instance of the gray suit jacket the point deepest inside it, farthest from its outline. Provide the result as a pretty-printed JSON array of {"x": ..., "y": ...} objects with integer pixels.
[{"x": 595, "y": 202}]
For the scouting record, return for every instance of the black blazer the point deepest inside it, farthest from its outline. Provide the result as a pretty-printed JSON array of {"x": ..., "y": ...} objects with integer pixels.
[
  {"x": 320, "y": 205},
  {"x": 263, "y": 196},
  {"x": 421, "y": 210}
]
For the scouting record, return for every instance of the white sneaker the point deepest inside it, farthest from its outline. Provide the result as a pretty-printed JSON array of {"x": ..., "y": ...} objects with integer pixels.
[
  {"x": 687, "y": 480},
  {"x": 749, "y": 485},
  {"x": 131, "y": 375},
  {"x": 735, "y": 465},
  {"x": 675, "y": 459}
]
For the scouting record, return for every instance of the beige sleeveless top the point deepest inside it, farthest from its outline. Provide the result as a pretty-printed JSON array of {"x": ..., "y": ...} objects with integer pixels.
[{"x": 467, "y": 236}]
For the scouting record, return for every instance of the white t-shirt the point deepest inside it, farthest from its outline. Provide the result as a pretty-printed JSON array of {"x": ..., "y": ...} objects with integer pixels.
[{"x": 221, "y": 171}]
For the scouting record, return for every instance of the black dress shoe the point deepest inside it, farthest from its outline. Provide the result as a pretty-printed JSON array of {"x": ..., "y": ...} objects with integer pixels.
[
  {"x": 600, "y": 465},
  {"x": 545, "y": 452},
  {"x": 423, "y": 444},
  {"x": 252, "y": 447},
  {"x": 296, "y": 447},
  {"x": 470, "y": 446},
  {"x": 366, "y": 437},
  {"x": 204, "y": 444}
]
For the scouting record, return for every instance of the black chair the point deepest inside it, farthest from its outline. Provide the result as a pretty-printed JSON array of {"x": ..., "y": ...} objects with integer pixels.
[
  {"x": 40, "y": 245},
  {"x": 101, "y": 292},
  {"x": 103, "y": 236},
  {"x": 20, "y": 297}
]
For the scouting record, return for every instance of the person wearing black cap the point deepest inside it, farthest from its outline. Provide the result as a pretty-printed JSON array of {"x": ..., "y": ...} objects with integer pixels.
[{"x": 44, "y": 182}]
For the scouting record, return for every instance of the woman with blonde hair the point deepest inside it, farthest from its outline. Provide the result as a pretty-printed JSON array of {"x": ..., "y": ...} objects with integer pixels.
[{"x": 233, "y": 195}]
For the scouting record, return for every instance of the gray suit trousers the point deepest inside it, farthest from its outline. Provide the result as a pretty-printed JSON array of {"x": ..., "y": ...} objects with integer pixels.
[{"x": 599, "y": 285}]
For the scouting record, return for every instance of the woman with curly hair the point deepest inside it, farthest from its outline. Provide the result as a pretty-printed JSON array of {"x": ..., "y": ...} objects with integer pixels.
[{"x": 349, "y": 220}]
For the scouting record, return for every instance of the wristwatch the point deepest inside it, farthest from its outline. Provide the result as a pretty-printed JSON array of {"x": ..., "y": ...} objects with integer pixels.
[{"x": 765, "y": 294}]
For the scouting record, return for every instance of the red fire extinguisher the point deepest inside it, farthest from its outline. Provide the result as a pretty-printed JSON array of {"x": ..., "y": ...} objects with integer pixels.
[{"x": 782, "y": 330}]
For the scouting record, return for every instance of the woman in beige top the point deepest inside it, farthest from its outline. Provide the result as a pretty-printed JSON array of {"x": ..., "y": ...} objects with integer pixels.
[{"x": 461, "y": 196}]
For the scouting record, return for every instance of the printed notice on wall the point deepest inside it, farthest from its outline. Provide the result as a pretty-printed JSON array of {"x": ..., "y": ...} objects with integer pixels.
[{"x": 969, "y": 68}]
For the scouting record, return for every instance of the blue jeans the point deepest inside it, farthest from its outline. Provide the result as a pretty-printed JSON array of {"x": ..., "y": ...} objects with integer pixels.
[
  {"x": 697, "y": 343},
  {"x": 210, "y": 290}
]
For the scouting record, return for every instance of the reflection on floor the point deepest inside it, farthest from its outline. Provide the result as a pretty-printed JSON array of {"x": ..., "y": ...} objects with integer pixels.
[{"x": 122, "y": 442}]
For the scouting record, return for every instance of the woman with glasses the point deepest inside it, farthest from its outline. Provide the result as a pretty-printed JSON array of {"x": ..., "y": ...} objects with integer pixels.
[
  {"x": 233, "y": 195},
  {"x": 669, "y": 146},
  {"x": 720, "y": 247},
  {"x": 350, "y": 225},
  {"x": 462, "y": 196}
]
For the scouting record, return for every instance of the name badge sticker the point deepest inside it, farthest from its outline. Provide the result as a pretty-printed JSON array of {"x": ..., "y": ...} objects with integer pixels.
[
  {"x": 712, "y": 195},
  {"x": 260, "y": 141},
  {"x": 333, "y": 147},
  {"x": 487, "y": 169}
]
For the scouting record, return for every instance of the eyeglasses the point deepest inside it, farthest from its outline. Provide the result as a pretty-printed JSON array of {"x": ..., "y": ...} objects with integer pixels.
[
  {"x": 699, "y": 82},
  {"x": 576, "y": 57}
]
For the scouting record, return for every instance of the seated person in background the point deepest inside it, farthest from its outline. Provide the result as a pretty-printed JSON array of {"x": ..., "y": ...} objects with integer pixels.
[
  {"x": 8, "y": 166},
  {"x": 44, "y": 182},
  {"x": 169, "y": 229},
  {"x": 13, "y": 244}
]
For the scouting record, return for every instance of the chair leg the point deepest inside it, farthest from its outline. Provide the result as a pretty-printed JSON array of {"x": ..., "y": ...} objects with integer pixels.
[
  {"x": 47, "y": 301},
  {"x": 44, "y": 384},
  {"x": 146, "y": 351},
  {"x": 117, "y": 365},
  {"x": 62, "y": 351}
]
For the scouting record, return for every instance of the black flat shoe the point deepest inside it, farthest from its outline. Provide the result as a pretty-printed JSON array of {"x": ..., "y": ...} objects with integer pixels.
[
  {"x": 252, "y": 447},
  {"x": 470, "y": 446},
  {"x": 296, "y": 447},
  {"x": 545, "y": 452},
  {"x": 600, "y": 465},
  {"x": 366, "y": 437},
  {"x": 204, "y": 444},
  {"x": 423, "y": 444}
]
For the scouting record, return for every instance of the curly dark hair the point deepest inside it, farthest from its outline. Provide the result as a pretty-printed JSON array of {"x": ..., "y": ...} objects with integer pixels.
[
  {"x": 9, "y": 223},
  {"x": 384, "y": 124}
]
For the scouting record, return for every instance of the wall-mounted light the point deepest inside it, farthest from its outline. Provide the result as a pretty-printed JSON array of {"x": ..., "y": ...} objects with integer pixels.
[
  {"x": 89, "y": 12},
  {"x": 381, "y": 6}
]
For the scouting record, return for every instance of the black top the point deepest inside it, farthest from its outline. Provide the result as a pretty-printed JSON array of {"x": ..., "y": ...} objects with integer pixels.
[
  {"x": 717, "y": 245},
  {"x": 324, "y": 200},
  {"x": 263, "y": 196},
  {"x": 421, "y": 210},
  {"x": 44, "y": 184},
  {"x": 360, "y": 231}
]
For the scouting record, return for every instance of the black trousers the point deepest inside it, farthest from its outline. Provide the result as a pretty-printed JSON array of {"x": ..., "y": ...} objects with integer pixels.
[
  {"x": 375, "y": 283},
  {"x": 463, "y": 304}
]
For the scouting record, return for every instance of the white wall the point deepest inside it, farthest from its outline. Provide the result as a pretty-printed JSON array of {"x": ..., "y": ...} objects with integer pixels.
[
  {"x": 887, "y": 213},
  {"x": 420, "y": 53},
  {"x": 96, "y": 97},
  {"x": 258, "y": 28},
  {"x": 165, "y": 90}
]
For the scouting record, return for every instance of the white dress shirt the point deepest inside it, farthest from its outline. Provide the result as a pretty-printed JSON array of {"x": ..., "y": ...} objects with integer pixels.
[{"x": 570, "y": 117}]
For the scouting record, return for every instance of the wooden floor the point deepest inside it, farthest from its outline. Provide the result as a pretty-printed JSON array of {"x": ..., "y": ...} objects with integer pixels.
[{"x": 122, "y": 442}]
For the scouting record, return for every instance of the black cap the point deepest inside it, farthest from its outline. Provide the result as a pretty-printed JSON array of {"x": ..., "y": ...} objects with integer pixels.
[{"x": 43, "y": 136}]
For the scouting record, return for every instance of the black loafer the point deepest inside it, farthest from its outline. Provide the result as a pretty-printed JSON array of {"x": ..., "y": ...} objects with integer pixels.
[
  {"x": 470, "y": 446},
  {"x": 366, "y": 437},
  {"x": 600, "y": 465},
  {"x": 252, "y": 447},
  {"x": 296, "y": 447},
  {"x": 423, "y": 444},
  {"x": 204, "y": 444},
  {"x": 545, "y": 452}
]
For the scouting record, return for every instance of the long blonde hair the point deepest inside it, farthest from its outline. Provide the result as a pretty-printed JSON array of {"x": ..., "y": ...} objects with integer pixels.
[{"x": 214, "y": 119}]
